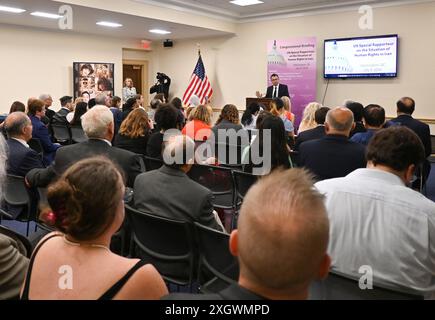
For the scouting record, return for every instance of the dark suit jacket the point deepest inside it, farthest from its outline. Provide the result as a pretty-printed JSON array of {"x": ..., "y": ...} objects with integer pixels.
[
  {"x": 40, "y": 132},
  {"x": 21, "y": 159},
  {"x": 66, "y": 156},
  {"x": 154, "y": 146},
  {"x": 170, "y": 193},
  {"x": 420, "y": 128},
  {"x": 233, "y": 292},
  {"x": 332, "y": 156},
  {"x": 136, "y": 145},
  {"x": 312, "y": 134},
  {"x": 282, "y": 91}
]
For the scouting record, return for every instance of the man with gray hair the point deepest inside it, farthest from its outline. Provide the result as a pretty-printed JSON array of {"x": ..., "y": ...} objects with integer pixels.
[
  {"x": 49, "y": 113},
  {"x": 334, "y": 155},
  {"x": 99, "y": 127},
  {"x": 21, "y": 158}
]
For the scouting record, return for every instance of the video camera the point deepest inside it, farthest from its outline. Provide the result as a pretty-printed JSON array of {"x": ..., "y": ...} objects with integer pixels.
[{"x": 161, "y": 76}]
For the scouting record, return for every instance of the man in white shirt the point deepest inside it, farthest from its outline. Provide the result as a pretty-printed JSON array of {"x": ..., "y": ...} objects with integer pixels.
[
  {"x": 377, "y": 221},
  {"x": 276, "y": 90}
]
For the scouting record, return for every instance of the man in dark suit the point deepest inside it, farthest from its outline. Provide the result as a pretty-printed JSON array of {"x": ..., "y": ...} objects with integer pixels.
[
  {"x": 277, "y": 90},
  {"x": 21, "y": 158},
  {"x": 170, "y": 193},
  {"x": 316, "y": 133},
  {"x": 98, "y": 126},
  {"x": 281, "y": 241},
  {"x": 66, "y": 107},
  {"x": 48, "y": 101},
  {"x": 405, "y": 109},
  {"x": 334, "y": 155}
]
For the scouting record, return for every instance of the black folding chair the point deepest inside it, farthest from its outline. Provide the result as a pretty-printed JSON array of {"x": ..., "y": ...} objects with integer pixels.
[
  {"x": 17, "y": 195},
  {"x": 36, "y": 145},
  {"x": 78, "y": 135},
  {"x": 165, "y": 243},
  {"x": 152, "y": 163},
  {"x": 61, "y": 133},
  {"x": 220, "y": 182},
  {"x": 339, "y": 286},
  {"x": 218, "y": 268}
]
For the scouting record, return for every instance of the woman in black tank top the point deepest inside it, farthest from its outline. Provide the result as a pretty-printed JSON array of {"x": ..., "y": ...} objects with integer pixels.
[{"x": 87, "y": 209}]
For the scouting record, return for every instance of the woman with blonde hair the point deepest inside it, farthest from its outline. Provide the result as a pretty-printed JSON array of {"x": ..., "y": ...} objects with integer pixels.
[
  {"x": 75, "y": 262},
  {"x": 288, "y": 109},
  {"x": 308, "y": 120},
  {"x": 129, "y": 91},
  {"x": 134, "y": 132},
  {"x": 199, "y": 128}
]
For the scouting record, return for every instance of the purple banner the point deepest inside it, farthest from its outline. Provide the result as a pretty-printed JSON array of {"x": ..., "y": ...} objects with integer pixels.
[{"x": 294, "y": 60}]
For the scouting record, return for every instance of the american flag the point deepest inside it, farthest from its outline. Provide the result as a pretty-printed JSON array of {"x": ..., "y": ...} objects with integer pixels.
[{"x": 199, "y": 84}]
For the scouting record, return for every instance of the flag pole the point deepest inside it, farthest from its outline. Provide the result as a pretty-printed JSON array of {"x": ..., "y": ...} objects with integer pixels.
[{"x": 199, "y": 49}]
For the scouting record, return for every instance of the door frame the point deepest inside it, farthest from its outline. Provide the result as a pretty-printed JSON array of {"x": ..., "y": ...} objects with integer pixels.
[{"x": 144, "y": 64}]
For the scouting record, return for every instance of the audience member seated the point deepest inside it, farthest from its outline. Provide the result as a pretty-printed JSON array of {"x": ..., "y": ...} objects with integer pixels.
[
  {"x": 36, "y": 111},
  {"x": 334, "y": 155},
  {"x": 178, "y": 104},
  {"x": 128, "y": 107},
  {"x": 315, "y": 133},
  {"x": 49, "y": 113},
  {"x": 228, "y": 119},
  {"x": 199, "y": 128},
  {"x": 269, "y": 150},
  {"x": 79, "y": 111},
  {"x": 166, "y": 119},
  {"x": 405, "y": 109},
  {"x": 374, "y": 120},
  {"x": 170, "y": 193},
  {"x": 376, "y": 220},
  {"x": 98, "y": 126},
  {"x": 17, "y": 106},
  {"x": 66, "y": 107},
  {"x": 249, "y": 117},
  {"x": 277, "y": 109},
  {"x": 134, "y": 132},
  {"x": 13, "y": 264},
  {"x": 280, "y": 242},
  {"x": 87, "y": 210},
  {"x": 21, "y": 158},
  {"x": 154, "y": 105},
  {"x": 115, "y": 107},
  {"x": 288, "y": 109},
  {"x": 308, "y": 122},
  {"x": 358, "y": 112}
]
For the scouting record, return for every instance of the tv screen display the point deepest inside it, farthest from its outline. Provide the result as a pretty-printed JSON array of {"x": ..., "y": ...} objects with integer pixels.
[{"x": 363, "y": 57}]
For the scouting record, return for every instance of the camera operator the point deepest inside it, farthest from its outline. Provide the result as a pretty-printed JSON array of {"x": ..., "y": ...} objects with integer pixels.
[{"x": 162, "y": 85}]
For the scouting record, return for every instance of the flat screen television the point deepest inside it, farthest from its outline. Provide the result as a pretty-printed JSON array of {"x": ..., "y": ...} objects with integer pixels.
[{"x": 362, "y": 57}]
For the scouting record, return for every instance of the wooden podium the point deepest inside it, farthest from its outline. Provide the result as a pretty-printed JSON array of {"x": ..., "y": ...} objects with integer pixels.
[{"x": 265, "y": 101}]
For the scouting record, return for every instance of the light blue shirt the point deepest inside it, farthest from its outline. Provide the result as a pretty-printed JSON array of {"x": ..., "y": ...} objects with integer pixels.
[{"x": 128, "y": 93}]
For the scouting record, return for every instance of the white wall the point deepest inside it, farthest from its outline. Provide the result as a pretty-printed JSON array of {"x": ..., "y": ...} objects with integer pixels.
[
  {"x": 36, "y": 61},
  {"x": 237, "y": 65}
]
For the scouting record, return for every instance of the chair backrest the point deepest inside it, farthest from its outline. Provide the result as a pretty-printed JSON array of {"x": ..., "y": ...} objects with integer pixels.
[
  {"x": 338, "y": 286},
  {"x": 16, "y": 193},
  {"x": 36, "y": 145},
  {"x": 61, "y": 133},
  {"x": 217, "y": 179},
  {"x": 78, "y": 135},
  {"x": 214, "y": 255},
  {"x": 152, "y": 163},
  {"x": 25, "y": 247},
  {"x": 243, "y": 181},
  {"x": 432, "y": 140},
  {"x": 166, "y": 243}
]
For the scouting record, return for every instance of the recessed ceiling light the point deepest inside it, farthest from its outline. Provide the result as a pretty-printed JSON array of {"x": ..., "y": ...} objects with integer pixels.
[
  {"x": 46, "y": 15},
  {"x": 12, "y": 10},
  {"x": 246, "y": 2},
  {"x": 158, "y": 31},
  {"x": 109, "y": 24}
]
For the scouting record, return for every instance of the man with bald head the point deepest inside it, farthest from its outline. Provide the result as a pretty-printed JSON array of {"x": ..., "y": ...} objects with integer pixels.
[
  {"x": 281, "y": 240},
  {"x": 21, "y": 158},
  {"x": 334, "y": 155}
]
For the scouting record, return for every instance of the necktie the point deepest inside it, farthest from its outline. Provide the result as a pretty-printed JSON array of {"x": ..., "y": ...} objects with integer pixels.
[{"x": 274, "y": 95}]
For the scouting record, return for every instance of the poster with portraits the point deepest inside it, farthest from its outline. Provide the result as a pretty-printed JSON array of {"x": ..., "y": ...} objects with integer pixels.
[{"x": 92, "y": 78}]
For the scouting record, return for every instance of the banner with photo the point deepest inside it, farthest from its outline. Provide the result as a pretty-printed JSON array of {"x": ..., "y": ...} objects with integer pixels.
[
  {"x": 92, "y": 78},
  {"x": 295, "y": 62}
]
